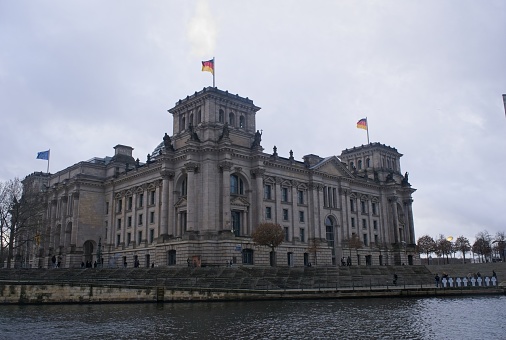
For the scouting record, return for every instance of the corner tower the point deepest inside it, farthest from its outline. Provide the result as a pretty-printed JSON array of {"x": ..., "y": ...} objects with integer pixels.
[{"x": 205, "y": 115}]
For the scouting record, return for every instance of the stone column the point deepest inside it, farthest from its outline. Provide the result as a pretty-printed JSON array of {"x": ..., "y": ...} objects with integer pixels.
[
  {"x": 258, "y": 175},
  {"x": 164, "y": 205},
  {"x": 393, "y": 201},
  {"x": 191, "y": 197},
  {"x": 226, "y": 168},
  {"x": 53, "y": 206},
  {"x": 411, "y": 226},
  {"x": 277, "y": 195},
  {"x": 63, "y": 214},
  {"x": 75, "y": 218}
]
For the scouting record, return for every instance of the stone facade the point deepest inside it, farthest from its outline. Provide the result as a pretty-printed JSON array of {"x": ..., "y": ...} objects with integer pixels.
[{"x": 198, "y": 197}]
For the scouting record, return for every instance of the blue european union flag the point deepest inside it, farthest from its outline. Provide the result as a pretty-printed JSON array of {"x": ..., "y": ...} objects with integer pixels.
[{"x": 43, "y": 155}]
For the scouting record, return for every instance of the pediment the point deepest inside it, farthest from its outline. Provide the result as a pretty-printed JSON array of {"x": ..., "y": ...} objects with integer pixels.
[
  {"x": 332, "y": 166},
  {"x": 181, "y": 202},
  {"x": 239, "y": 201}
]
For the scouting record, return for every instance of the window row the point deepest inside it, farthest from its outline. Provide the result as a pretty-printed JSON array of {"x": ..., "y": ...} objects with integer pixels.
[
  {"x": 129, "y": 240},
  {"x": 364, "y": 224},
  {"x": 285, "y": 194},
  {"x": 192, "y": 120},
  {"x": 360, "y": 164},
  {"x": 364, "y": 208},
  {"x": 268, "y": 214},
  {"x": 129, "y": 201},
  {"x": 140, "y": 220},
  {"x": 231, "y": 119}
]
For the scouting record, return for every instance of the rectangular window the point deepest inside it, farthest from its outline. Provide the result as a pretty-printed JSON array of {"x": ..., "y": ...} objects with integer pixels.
[
  {"x": 141, "y": 200},
  {"x": 140, "y": 219},
  {"x": 329, "y": 230},
  {"x": 129, "y": 238},
  {"x": 119, "y": 223},
  {"x": 267, "y": 192},
  {"x": 151, "y": 235},
  {"x": 129, "y": 221},
  {"x": 106, "y": 208},
  {"x": 353, "y": 222},
  {"x": 182, "y": 220},
  {"x": 118, "y": 240},
  {"x": 120, "y": 206},
  {"x": 287, "y": 238},
  {"x": 268, "y": 213},
  {"x": 285, "y": 214},
  {"x": 376, "y": 239},
  {"x": 301, "y": 216},
  {"x": 284, "y": 194},
  {"x": 366, "y": 241},
  {"x": 373, "y": 205},
  {"x": 139, "y": 237},
  {"x": 152, "y": 217},
  {"x": 300, "y": 197},
  {"x": 364, "y": 223},
  {"x": 352, "y": 204},
  {"x": 363, "y": 207},
  {"x": 375, "y": 225},
  {"x": 130, "y": 202},
  {"x": 302, "y": 235},
  {"x": 152, "y": 197}
]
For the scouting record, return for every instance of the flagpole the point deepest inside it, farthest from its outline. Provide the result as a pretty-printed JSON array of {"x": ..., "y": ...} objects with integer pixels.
[
  {"x": 48, "y": 156},
  {"x": 367, "y": 126},
  {"x": 214, "y": 71}
]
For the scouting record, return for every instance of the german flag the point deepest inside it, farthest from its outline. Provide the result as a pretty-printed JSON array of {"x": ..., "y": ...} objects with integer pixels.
[
  {"x": 208, "y": 66},
  {"x": 362, "y": 124}
]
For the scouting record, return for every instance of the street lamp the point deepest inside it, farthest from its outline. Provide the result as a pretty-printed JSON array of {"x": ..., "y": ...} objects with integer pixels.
[{"x": 99, "y": 253}]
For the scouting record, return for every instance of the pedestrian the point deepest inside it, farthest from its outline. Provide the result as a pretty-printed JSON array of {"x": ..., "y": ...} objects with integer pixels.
[
  {"x": 125, "y": 264},
  {"x": 494, "y": 274},
  {"x": 436, "y": 279},
  {"x": 95, "y": 264},
  {"x": 188, "y": 261},
  {"x": 395, "y": 279},
  {"x": 53, "y": 260},
  {"x": 82, "y": 264}
]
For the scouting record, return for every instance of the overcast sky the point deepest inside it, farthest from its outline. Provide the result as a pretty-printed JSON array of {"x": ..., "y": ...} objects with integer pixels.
[{"x": 79, "y": 77}]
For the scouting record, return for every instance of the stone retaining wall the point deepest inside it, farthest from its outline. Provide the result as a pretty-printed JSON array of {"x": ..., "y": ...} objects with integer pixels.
[{"x": 63, "y": 293}]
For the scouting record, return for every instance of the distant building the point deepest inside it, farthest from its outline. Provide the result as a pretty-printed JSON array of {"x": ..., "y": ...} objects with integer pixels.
[{"x": 198, "y": 197}]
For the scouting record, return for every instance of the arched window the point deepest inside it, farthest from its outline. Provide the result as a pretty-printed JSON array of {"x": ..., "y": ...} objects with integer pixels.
[
  {"x": 241, "y": 122},
  {"x": 359, "y": 164},
  {"x": 329, "y": 228},
  {"x": 191, "y": 122},
  {"x": 231, "y": 119},
  {"x": 368, "y": 163},
  {"x": 236, "y": 185},
  {"x": 221, "y": 116},
  {"x": 352, "y": 165},
  {"x": 199, "y": 116},
  {"x": 182, "y": 122},
  {"x": 184, "y": 187}
]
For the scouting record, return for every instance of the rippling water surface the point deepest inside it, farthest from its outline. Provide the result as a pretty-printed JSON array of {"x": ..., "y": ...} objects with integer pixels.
[{"x": 394, "y": 318}]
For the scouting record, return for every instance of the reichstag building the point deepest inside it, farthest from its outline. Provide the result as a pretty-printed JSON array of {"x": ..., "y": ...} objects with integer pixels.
[{"x": 197, "y": 198}]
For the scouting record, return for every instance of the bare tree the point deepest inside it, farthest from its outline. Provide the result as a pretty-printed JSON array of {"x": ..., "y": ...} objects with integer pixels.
[
  {"x": 426, "y": 245},
  {"x": 463, "y": 245},
  {"x": 482, "y": 246},
  {"x": 500, "y": 244},
  {"x": 443, "y": 247},
  {"x": 270, "y": 235},
  {"x": 353, "y": 242},
  {"x": 21, "y": 218}
]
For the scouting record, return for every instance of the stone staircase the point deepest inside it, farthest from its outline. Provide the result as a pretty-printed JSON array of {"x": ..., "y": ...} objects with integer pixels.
[{"x": 251, "y": 277}]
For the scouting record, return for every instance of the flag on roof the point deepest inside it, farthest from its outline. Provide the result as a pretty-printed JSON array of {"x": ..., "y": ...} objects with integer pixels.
[
  {"x": 208, "y": 66},
  {"x": 43, "y": 155},
  {"x": 362, "y": 124}
]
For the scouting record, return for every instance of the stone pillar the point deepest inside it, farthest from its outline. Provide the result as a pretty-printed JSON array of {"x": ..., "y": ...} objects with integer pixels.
[
  {"x": 226, "y": 217},
  {"x": 395, "y": 222},
  {"x": 75, "y": 219},
  {"x": 277, "y": 195},
  {"x": 258, "y": 175},
  {"x": 164, "y": 205},
  {"x": 411, "y": 226},
  {"x": 63, "y": 219},
  {"x": 53, "y": 206},
  {"x": 191, "y": 197}
]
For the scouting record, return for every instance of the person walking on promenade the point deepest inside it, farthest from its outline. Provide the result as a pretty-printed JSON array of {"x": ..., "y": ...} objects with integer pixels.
[
  {"x": 494, "y": 274},
  {"x": 436, "y": 279},
  {"x": 395, "y": 279}
]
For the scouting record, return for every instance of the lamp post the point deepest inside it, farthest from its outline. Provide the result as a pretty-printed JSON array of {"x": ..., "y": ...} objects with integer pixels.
[{"x": 99, "y": 253}]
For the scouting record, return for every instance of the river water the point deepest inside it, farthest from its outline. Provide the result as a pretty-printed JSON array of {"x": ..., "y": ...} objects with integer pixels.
[{"x": 393, "y": 318}]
